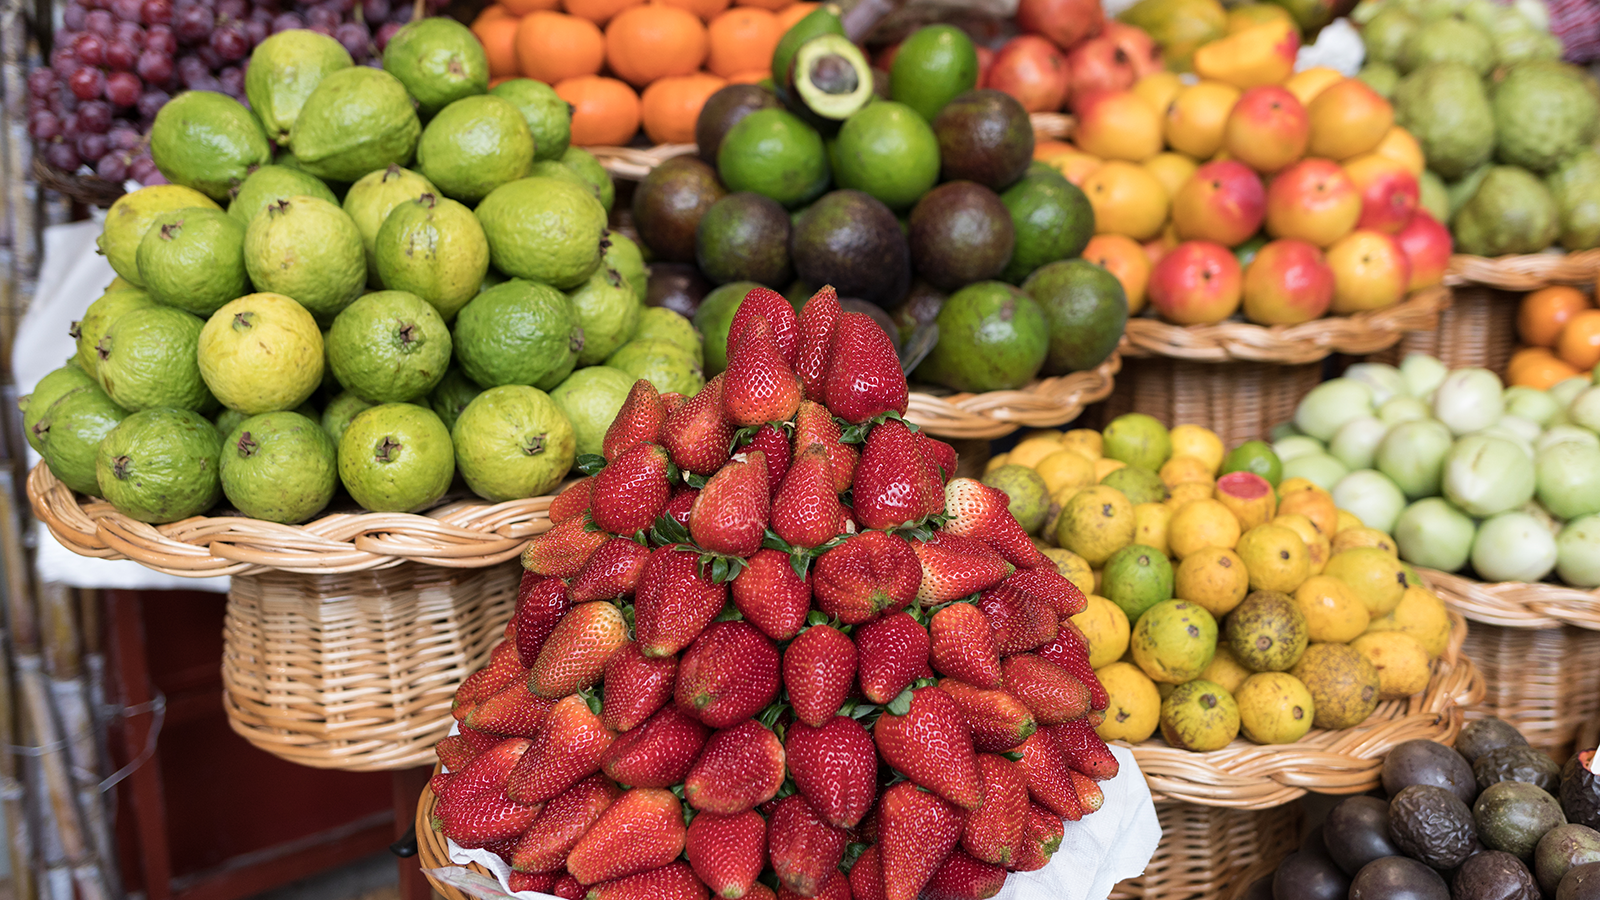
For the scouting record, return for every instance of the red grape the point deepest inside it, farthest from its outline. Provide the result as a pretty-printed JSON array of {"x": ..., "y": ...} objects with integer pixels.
[
  {"x": 123, "y": 89},
  {"x": 100, "y": 22},
  {"x": 145, "y": 172},
  {"x": 232, "y": 81},
  {"x": 63, "y": 62},
  {"x": 354, "y": 37},
  {"x": 321, "y": 29},
  {"x": 400, "y": 13},
  {"x": 131, "y": 33},
  {"x": 287, "y": 22},
  {"x": 154, "y": 67},
  {"x": 40, "y": 81},
  {"x": 320, "y": 15},
  {"x": 87, "y": 83},
  {"x": 121, "y": 56},
  {"x": 60, "y": 155},
  {"x": 161, "y": 39},
  {"x": 257, "y": 31},
  {"x": 90, "y": 48},
  {"x": 44, "y": 125},
  {"x": 72, "y": 17},
  {"x": 123, "y": 136},
  {"x": 387, "y": 31},
  {"x": 230, "y": 43},
  {"x": 232, "y": 9},
  {"x": 113, "y": 167},
  {"x": 94, "y": 117},
  {"x": 193, "y": 23},
  {"x": 156, "y": 12},
  {"x": 91, "y": 146},
  {"x": 151, "y": 102},
  {"x": 127, "y": 10}
]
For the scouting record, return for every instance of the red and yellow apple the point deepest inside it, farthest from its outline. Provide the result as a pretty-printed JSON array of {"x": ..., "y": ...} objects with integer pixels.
[
  {"x": 1313, "y": 200},
  {"x": 1370, "y": 271},
  {"x": 1348, "y": 118},
  {"x": 1267, "y": 129},
  {"x": 1195, "y": 283},
  {"x": 1388, "y": 192},
  {"x": 1427, "y": 246},
  {"x": 1288, "y": 282},
  {"x": 1222, "y": 201}
]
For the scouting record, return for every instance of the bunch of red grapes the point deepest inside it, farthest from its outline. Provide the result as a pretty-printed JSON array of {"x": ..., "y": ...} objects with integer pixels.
[{"x": 115, "y": 62}]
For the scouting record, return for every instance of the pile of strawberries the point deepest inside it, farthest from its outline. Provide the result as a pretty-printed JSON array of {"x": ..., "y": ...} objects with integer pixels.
[{"x": 773, "y": 647}]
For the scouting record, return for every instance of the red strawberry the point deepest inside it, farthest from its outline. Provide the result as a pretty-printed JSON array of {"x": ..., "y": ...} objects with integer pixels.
[
  {"x": 474, "y": 810},
  {"x": 572, "y": 502},
  {"x": 819, "y": 668},
  {"x": 657, "y": 753},
  {"x": 568, "y": 888},
  {"x": 1049, "y": 777},
  {"x": 803, "y": 847},
  {"x": 639, "y": 421},
  {"x": 864, "y": 377},
  {"x": 479, "y": 741},
  {"x": 673, "y": 602},
  {"x": 636, "y": 686},
  {"x": 893, "y": 484},
  {"x": 954, "y": 567},
  {"x": 562, "y": 551},
  {"x": 998, "y": 721},
  {"x": 632, "y": 490},
  {"x": 728, "y": 674},
  {"x": 641, "y": 830},
  {"x": 503, "y": 668},
  {"x": 835, "y": 887},
  {"x": 775, "y": 444},
  {"x": 942, "y": 455},
  {"x": 671, "y": 401},
  {"x": 1020, "y": 623},
  {"x": 681, "y": 504},
  {"x": 515, "y": 711},
  {"x": 562, "y": 821},
  {"x": 835, "y": 768},
  {"x": 1070, "y": 651},
  {"x": 866, "y": 876},
  {"x": 1047, "y": 584},
  {"x": 868, "y": 574},
  {"x": 612, "y": 572},
  {"x": 486, "y": 774},
  {"x": 696, "y": 434},
  {"x": 817, "y": 319},
  {"x": 813, "y": 424},
  {"x": 963, "y": 645},
  {"x": 993, "y": 832},
  {"x": 764, "y": 303},
  {"x": 771, "y": 596},
  {"x": 916, "y": 831},
  {"x": 576, "y": 654},
  {"x": 1089, "y": 794},
  {"x": 1084, "y": 750},
  {"x": 730, "y": 515},
  {"x": 565, "y": 752},
  {"x": 541, "y": 602},
  {"x": 727, "y": 852},
  {"x": 979, "y": 511},
  {"x": 541, "y": 882},
  {"x": 741, "y": 768},
  {"x": 960, "y": 877},
  {"x": 758, "y": 385},
  {"x": 891, "y": 652},
  {"x": 806, "y": 511},
  {"x": 928, "y": 741},
  {"x": 674, "y": 881},
  {"x": 1041, "y": 839},
  {"x": 1053, "y": 695},
  {"x": 454, "y": 752}
]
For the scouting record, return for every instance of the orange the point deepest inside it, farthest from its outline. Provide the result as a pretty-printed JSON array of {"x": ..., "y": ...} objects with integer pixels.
[
  {"x": 1127, "y": 200},
  {"x": 750, "y": 76},
  {"x": 1538, "y": 368},
  {"x": 597, "y": 11},
  {"x": 490, "y": 12},
  {"x": 705, "y": 9},
  {"x": 554, "y": 46},
  {"x": 790, "y": 13},
  {"x": 742, "y": 40},
  {"x": 604, "y": 110},
  {"x": 670, "y": 106},
  {"x": 649, "y": 42},
  {"x": 1123, "y": 257},
  {"x": 770, "y": 5},
  {"x": 523, "y": 7},
  {"x": 498, "y": 34},
  {"x": 1545, "y": 312},
  {"x": 1580, "y": 340}
]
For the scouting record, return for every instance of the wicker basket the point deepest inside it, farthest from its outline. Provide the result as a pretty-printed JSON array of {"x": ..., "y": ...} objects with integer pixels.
[
  {"x": 1527, "y": 272},
  {"x": 1479, "y": 329},
  {"x": 1240, "y": 401},
  {"x": 356, "y": 671}
]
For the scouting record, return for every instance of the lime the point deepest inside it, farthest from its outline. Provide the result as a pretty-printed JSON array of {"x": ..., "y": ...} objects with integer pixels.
[
  {"x": 396, "y": 457},
  {"x": 389, "y": 347},
  {"x": 595, "y": 175},
  {"x": 1026, "y": 491},
  {"x": 50, "y": 388},
  {"x": 438, "y": 60},
  {"x": 207, "y": 141},
  {"x": 434, "y": 248},
  {"x": 339, "y": 412},
  {"x": 548, "y": 116},
  {"x": 520, "y": 332},
  {"x": 270, "y": 184},
  {"x": 668, "y": 367},
  {"x": 451, "y": 396},
  {"x": 545, "y": 230},
  {"x": 932, "y": 66},
  {"x": 193, "y": 259},
  {"x": 70, "y": 432},
  {"x": 1254, "y": 456},
  {"x": 608, "y": 310},
  {"x": 357, "y": 120},
  {"x": 772, "y": 152},
  {"x": 512, "y": 442},
  {"x": 1138, "y": 440},
  {"x": 261, "y": 353},
  {"x": 130, "y": 217},
  {"x": 278, "y": 466},
  {"x": 308, "y": 249},
  {"x": 473, "y": 146},
  {"x": 661, "y": 324},
  {"x": 623, "y": 255},
  {"x": 370, "y": 200},
  {"x": 160, "y": 465},
  {"x": 147, "y": 359},
  {"x": 1136, "y": 578},
  {"x": 284, "y": 69},
  {"x": 889, "y": 151},
  {"x": 590, "y": 398}
]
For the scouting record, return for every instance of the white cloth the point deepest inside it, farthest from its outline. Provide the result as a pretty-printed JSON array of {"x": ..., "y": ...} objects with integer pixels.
[
  {"x": 1338, "y": 46},
  {"x": 1097, "y": 852}
]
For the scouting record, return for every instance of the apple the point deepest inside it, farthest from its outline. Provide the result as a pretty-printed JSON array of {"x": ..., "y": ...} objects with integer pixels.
[
  {"x": 1195, "y": 283},
  {"x": 985, "y": 62},
  {"x": 1388, "y": 192},
  {"x": 1117, "y": 125},
  {"x": 1065, "y": 22},
  {"x": 1427, "y": 247},
  {"x": 1348, "y": 118},
  {"x": 1267, "y": 129},
  {"x": 1313, "y": 200},
  {"x": 1033, "y": 71},
  {"x": 1143, "y": 53},
  {"x": 1370, "y": 271},
  {"x": 1286, "y": 283},
  {"x": 1098, "y": 65},
  {"x": 1222, "y": 201}
]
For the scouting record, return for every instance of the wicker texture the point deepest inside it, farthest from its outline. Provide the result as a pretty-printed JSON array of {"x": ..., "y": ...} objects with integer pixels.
[
  {"x": 1359, "y": 334},
  {"x": 1240, "y": 401},
  {"x": 1208, "y": 853},
  {"x": 1043, "y": 404},
  {"x": 1515, "y": 604},
  {"x": 1527, "y": 272},
  {"x": 1479, "y": 329},
  {"x": 357, "y": 671}
]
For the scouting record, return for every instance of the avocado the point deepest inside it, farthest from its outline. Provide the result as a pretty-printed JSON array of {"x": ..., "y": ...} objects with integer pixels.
[
  {"x": 992, "y": 337},
  {"x": 1513, "y": 816},
  {"x": 1482, "y": 735},
  {"x": 745, "y": 237},
  {"x": 921, "y": 307},
  {"x": 828, "y": 81},
  {"x": 960, "y": 234},
  {"x": 852, "y": 241},
  {"x": 1580, "y": 883},
  {"x": 1494, "y": 875},
  {"x": 1305, "y": 875},
  {"x": 1562, "y": 848},
  {"x": 1087, "y": 310},
  {"x": 1267, "y": 632},
  {"x": 669, "y": 202},
  {"x": 1398, "y": 878},
  {"x": 677, "y": 286},
  {"x": 1580, "y": 790},
  {"x": 723, "y": 110},
  {"x": 1357, "y": 832},
  {"x": 820, "y": 21},
  {"x": 984, "y": 136},
  {"x": 1433, "y": 825},
  {"x": 1523, "y": 764},
  {"x": 1425, "y": 762}
]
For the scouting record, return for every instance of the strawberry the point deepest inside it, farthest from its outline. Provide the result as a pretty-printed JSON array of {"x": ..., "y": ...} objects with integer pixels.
[
  {"x": 454, "y": 752},
  {"x": 806, "y": 512},
  {"x": 819, "y": 667},
  {"x": 759, "y": 891},
  {"x": 864, "y": 377},
  {"x": 671, "y": 401},
  {"x": 954, "y": 567},
  {"x": 674, "y": 881},
  {"x": 503, "y": 668},
  {"x": 940, "y": 454},
  {"x": 814, "y": 348},
  {"x": 681, "y": 504},
  {"x": 803, "y": 847},
  {"x": 1070, "y": 651},
  {"x": 758, "y": 385},
  {"x": 993, "y": 832},
  {"x": 891, "y": 652},
  {"x": 979, "y": 511},
  {"x": 771, "y": 596},
  {"x": 515, "y": 711},
  {"x": 562, "y": 551},
  {"x": 565, "y": 752},
  {"x": 960, "y": 877},
  {"x": 541, "y": 882},
  {"x": 728, "y": 674},
  {"x": 963, "y": 645},
  {"x": 1041, "y": 839},
  {"x": 1084, "y": 750},
  {"x": 1049, "y": 778},
  {"x": 767, "y": 304},
  {"x": 835, "y": 768},
  {"x": 927, "y": 739},
  {"x": 1090, "y": 797},
  {"x": 641, "y": 830},
  {"x": 562, "y": 821},
  {"x": 813, "y": 424},
  {"x": 673, "y": 602},
  {"x": 868, "y": 574},
  {"x": 639, "y": 421},
  {"x": 741, "y": 768},
  {"x": 636, "y": 686},
  {"x": 657, "y": 753},
  {"x": 486, "y": 774},
  {"x": 730, "y": 515},
  {"x": 916, "y": 831},
  {"x": 894, "y": 485},
  {"x": 1047, "y": 584},
  {"x": 1020, "y": 623},
  {"x": 1045, "y": 688},
  {"x": 696, "y": 434},
  {"x": 631, "y": 491},
  {"x": 480, "y": 821},
  {"x": 572, "y": 502},
  {"x": 774, "y": 442},
  {"x": 612, "y": 572},
  {"x": 998, "y": 721},
  {"x": 727, "y": 852},
  {"x": 541, "y": 602},
  {"x": 866, "y": 876},
  {"x": 836, "y": 886},
  {"x": 568, "y": 888},
  {"x": 576, "y": 654}
]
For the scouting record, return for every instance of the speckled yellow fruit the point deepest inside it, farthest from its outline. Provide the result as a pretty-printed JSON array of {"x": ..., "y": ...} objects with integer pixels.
[
  {"x": 1135, "y": 708},
  {"x": 1183, "y": 493},
  {"x": 1276, "y": 558},
  {"x": 1106, "y": 626},
  {"x": 1317, "y": 549},
  {"x": 1185, "y": 469},
  {"x": 1347, "y": 521},
  {"x": 1351, "y": 538},
  {"x": 1333, "y": 614},
  {"x": 1296, "y": 485},
  {"x": 1198, "y": 442},
  {"x": 1174, "y": 641},
  {"x": 1199, "y": 716},
  {"x": 1422, "y": 615},
  {"x": 1225, "y": 669},
  {"x": 1343, "y": 683},
  {"x": 1072, "y": 567},
  {"x": 1274, "y": 708},
  {"x": 1372, "y": 575},
  {"x": 1048, "y": 434},
  {"x": 1199, "y": 524},
  {"x": 1029, "y": 452},
  {"x": 1095, "y": 523},
  {"x": 1400, "y": 659},
  {"x": 1150, "y": 525},
  {"x": 1065, "y": 469},
  {"x": 996, "y": 462},
  {"x": 1314, "y": 505},
  {"x": 1104, "y": 467},
  {"x": 1214, "y": 577},
  {"x": 1085, "y": 441}
]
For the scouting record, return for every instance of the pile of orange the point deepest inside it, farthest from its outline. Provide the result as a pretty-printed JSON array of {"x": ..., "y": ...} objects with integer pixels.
[
  {"x": 1561, "y": 328},
  {"x": 623, "y": 63}
]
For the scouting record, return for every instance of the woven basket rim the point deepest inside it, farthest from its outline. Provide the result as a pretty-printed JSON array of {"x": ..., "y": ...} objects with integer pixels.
[
  {"x": 1517, "y": 604},
  {"x": 1358, "y": 335},
  {"x": 1524, "y": 271}
]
